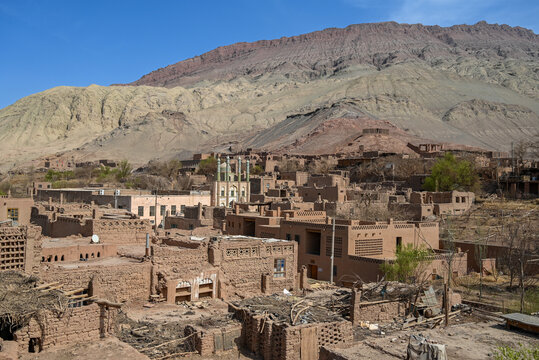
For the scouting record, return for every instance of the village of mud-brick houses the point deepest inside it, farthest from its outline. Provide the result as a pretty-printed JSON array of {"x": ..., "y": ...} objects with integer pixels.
[{"x": 248, "y": 266}]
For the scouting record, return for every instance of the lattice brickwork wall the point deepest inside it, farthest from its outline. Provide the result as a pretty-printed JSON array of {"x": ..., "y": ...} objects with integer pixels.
[
  {"x": 334, "y": 333},
  {"x": 338, "y": 246},
  {"x": 12, "y": 248},
  {"x": 369, "y": 247}
]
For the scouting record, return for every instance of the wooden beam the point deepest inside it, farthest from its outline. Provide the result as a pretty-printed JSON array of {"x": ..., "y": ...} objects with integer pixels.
[
  {"x": 71, "y": 292},
  {"x": 46, "y": 285}
]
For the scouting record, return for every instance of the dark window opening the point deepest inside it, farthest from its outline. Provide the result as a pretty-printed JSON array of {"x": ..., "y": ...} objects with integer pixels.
[
  {"x": 399, "y": 243},
  {"x": 62, "y": 258},
  {"x": 98, "y": 254},
  {"x": 288, "y": 237},
  {"x": 249, "y": 228},
  {"x": 296, "y": 238},
  {"x": 313, "y": 242},
  {"x": 34, "y": 345}
]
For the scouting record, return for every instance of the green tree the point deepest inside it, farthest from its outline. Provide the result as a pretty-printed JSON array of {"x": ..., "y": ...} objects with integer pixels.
[
  {"x": 257, "y": 170},
  {"x": 450, "y": 173},
  {"x": 207, "y": 166},
  {"x": 408, "y": 266},
  {"x": 124, "y": 170}
]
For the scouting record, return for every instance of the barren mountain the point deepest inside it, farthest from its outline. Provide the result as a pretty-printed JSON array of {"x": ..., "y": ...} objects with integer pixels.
[{"x": 314, "y": 93}]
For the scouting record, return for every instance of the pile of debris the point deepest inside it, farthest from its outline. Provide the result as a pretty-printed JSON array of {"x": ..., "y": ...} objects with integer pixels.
[
  {"x": 291, "y": 309},
  {"x": 21, "y": 300},
  {"x": 154, "y": 340}
]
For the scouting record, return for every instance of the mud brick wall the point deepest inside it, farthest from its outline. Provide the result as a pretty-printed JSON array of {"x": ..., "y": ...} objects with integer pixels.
[
  {"x": 214, "y": 340},
  {"x": 383, "y": 312},
  {"x": 119, "y": 283},
  {"x": 177, "y": 263},
  {"x": 43, "y": 221},
  {"x": 244, "y": 264},
  {"x": 331, "y": 333},
  {"x": 82, "y": 324},
  {"x": 66, "y": 226},
  {"x": 120, "y": 231},
  {"x": 275, "y": 341}
]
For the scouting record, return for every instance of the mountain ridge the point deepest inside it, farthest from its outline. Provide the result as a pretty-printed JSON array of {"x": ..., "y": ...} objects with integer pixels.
[{"x": 474, "y": 86}]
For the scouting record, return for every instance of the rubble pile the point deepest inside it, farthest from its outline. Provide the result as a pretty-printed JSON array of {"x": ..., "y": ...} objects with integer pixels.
[
  {"x": 152, "y": 339},
  {"x": 291, "y": 309}
]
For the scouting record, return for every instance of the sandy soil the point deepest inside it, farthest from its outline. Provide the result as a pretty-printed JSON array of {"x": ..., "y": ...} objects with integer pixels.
[
  {"x": 466, "y": 341},
  {"x": 106, "y": 349}
]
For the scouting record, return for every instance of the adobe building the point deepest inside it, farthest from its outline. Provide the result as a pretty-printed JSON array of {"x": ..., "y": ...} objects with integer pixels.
[
  {"x": 144, "y": 204},
  {"x": 191, "y": 268},
  {"x": 230, "y": 187},
  {"x": 112, "y": 226},
  {"x": 266, "y": 223},
  {"x": 442, "y": 203},
  {"x": 17, "y": 210},
  {"x": 360, "y": 247},
  {"x": 193, "y": 217},
  {"x": 328, "y": 187}
]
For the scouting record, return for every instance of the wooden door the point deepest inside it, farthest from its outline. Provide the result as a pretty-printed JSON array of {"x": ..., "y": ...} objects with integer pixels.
[
  {"x": 314, "y": 271},
  {"x": 309, "y": 344}
]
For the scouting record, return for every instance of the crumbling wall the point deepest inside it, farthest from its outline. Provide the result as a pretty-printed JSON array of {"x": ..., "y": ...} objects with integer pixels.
[
  {"x": 384, "y": 311},
  {"x": 214, "y": 340},
  {"x": 79, "y": 324},
  {"x": 120, "y": 283},
  {"x": 280, "y": 341}
]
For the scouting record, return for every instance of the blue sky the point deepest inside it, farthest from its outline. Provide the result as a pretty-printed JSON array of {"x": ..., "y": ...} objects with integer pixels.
[{"x": 47, "y": 43}]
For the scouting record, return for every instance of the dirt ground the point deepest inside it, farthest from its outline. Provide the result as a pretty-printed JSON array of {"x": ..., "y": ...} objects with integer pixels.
[
  {"x": 464, "y": 341},
  {"x": 106, "y": 349}
]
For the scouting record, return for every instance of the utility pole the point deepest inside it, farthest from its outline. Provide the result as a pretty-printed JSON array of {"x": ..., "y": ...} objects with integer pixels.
[
  {"x": 155, "y": 211},
  {"x": 446, "y": 304},
  {"x": 332, "y": 251}
]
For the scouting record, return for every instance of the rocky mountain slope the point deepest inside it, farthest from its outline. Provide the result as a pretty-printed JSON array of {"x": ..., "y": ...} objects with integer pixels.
[{"x": 474, "y": 85}]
